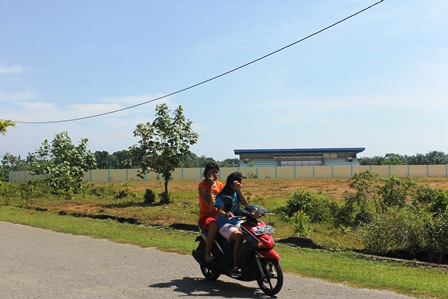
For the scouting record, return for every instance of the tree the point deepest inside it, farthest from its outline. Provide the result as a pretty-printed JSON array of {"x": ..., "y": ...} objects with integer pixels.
[
  {"x": 394, "y": 159},
  {"x": 376, "y": 160},
  {"x": 63, "y": 164},
  {"x": 164, "y": 143},
  {"x": 436, "y": 157},
  {"x": 11, "y": 163},
  {"x": 105, "y": 161},
  {"x": 4, "y": 124},
  {"x": 192, "y": 160},
  {"x": 126, "y": 159},
  {"x": 235, "y": 162}
]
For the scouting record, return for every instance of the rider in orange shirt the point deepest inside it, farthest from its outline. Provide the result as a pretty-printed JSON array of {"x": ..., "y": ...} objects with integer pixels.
[{"x": 208, "y": 188}]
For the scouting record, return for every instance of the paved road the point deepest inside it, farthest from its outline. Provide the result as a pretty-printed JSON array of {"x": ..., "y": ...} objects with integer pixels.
[{"x": 36, "y": 263}]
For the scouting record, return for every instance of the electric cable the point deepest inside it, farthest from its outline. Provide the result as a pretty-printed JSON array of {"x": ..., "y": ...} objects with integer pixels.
[{"x": 202, "y": 82}]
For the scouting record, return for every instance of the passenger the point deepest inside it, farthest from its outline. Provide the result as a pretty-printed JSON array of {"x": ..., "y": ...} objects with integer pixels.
[
  {"x": 228, "y": 202},
  {"x": 208, "y": 188}
]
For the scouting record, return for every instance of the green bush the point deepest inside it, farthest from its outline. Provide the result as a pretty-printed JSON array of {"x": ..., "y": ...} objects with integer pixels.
[
  {"x": 124, "y": 192},
  {"x": 425, "y": 194},
  {"x": 345, "y": 215},
  {"x": 318, "y": 207},
  {"x": 439, "y": 204},
  {"x": 396, "y": 191},
  {"x": 165, "y": 198},
  {"x": 101, "y": 191},
  {"x": 21, "y": 193},
  {"x": 149, "y": 197},
  {"x": 437, "y": 234},
  {"x": 402, "y": 230}
]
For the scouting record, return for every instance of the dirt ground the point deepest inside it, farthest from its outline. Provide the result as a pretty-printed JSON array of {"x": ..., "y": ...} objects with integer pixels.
[{"x": 284, "y": 187}]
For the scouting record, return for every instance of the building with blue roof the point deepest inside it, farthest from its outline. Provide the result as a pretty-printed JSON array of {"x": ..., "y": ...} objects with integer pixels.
[{"x": 299, "y": 157}]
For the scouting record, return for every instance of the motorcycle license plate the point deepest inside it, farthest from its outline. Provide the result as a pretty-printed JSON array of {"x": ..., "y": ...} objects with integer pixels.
[{"x": 261, "y": 230}]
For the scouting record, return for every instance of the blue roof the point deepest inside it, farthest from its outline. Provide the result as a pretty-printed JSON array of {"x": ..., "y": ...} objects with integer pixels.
[{"x": 300, "y": 150}]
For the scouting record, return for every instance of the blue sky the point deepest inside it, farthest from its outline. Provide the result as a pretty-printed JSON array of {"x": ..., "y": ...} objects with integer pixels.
[{"x": 377, "y": 80}]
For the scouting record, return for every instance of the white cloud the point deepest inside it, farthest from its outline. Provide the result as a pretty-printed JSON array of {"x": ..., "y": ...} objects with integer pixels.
[
  {"x": 38, "y": 106},
  {"x": 17, "y": 96},
  {"x": 13, "y": 69}
]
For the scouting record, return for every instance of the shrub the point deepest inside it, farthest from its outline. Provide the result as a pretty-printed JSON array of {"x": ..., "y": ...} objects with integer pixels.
[
  {"x": 437, "y": 232},
  {"x": 439, "y": 204},
  {"x": 124, "y": 192},
  {"x": 300, "y": 219},
  {"x": 149, "y": 197},
  {"x": 165, "y": 198},
  {"x": 318, "y": 207},
  {"x": 365, "y": 185},
  {"x": 396, "y": 191},
  {"x": 424, "y": 194},
  {"x": 402, "y": 230},
  {"x": 345, "y": 216},
  {"x": 101, "y": 191},
  {"x": 21, "y": 193}
]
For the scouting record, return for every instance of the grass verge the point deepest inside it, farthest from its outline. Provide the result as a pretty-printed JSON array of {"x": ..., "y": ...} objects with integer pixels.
[{"x": 343, "y": 267}]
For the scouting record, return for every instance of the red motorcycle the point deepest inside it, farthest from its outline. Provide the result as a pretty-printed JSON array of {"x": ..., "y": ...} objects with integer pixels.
[{"x": 256, "y": 257}]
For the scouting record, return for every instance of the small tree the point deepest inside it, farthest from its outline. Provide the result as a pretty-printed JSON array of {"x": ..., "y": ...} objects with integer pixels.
[
  {"x": 62, "y": 163},
  {"x": 164, "y": 143}
]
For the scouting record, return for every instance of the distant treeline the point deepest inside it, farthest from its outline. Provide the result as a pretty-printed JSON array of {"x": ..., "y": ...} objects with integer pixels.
[
  {"x": 431, "y": 158},
  {"x": 104, "y": 160},
  {"x": 126, "y": 160}
]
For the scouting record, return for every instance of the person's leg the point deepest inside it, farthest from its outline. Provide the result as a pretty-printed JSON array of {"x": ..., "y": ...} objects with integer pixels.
[
  {"x": 212, "y": 230},
  {"x": 238, "y": 237}
]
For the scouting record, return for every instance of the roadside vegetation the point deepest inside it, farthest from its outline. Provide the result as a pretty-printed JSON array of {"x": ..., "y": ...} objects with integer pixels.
[
  {"x": 335, "y": 229},
  {"x": 343, "y": 218}
]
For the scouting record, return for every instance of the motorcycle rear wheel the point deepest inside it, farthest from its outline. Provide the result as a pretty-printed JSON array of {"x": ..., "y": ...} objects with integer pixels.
[
  {"x": 209, "y": 273},
  {"x": 272, "y": 280}
]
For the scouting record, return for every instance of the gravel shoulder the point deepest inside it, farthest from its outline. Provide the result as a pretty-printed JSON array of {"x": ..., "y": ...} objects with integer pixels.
[{"x": 37, "y": 263}]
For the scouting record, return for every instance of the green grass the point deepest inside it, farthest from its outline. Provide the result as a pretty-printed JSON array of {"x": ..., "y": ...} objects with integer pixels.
[{"x": 343, "y": 266}]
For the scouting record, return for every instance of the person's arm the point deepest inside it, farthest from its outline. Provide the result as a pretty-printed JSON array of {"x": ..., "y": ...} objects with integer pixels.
[
  {"x": 220, "y": 205},
  {"x": 223, "y": 213},
  {"x": 241, "y": 196},
  {"x": 206, "y": 193}
]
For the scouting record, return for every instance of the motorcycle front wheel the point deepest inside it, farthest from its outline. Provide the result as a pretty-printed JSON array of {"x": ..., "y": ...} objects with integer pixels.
[
  {"x": 271, "y": 281},
  {"x": 209, "y": 273}
]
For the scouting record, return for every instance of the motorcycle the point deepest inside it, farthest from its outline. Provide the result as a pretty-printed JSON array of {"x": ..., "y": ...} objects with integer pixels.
[{"x": 256, "y": 257}]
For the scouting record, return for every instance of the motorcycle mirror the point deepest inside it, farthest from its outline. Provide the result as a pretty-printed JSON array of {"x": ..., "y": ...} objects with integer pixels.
[{"x": 227, "y": 200}]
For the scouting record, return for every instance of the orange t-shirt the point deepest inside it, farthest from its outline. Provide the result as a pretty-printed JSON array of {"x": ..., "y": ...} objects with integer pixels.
[{"x": 204, "y": 208}]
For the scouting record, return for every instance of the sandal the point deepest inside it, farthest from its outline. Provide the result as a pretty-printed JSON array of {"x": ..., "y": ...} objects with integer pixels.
[{"x": 236, "y": 272}]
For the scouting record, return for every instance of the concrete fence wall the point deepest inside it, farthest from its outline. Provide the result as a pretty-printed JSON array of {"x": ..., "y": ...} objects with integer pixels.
[{"x": 290, "y": 172}]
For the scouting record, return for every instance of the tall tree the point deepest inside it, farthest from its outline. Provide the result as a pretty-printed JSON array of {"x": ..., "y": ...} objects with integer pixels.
[
  {"x": 63, "y": 164},
  {"x": 164, "y": 142}
]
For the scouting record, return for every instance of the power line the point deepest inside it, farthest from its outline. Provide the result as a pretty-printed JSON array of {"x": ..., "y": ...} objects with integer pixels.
[{"x": 205, "y": 81}]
